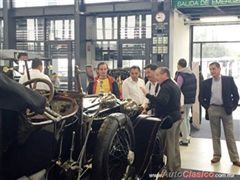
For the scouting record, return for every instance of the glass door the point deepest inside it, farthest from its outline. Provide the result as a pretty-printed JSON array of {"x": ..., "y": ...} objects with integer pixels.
[
  {"x": 225, "y": 53},
  {"x": 62, "y": 62}
]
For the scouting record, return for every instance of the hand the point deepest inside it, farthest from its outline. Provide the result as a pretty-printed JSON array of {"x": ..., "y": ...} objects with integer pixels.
[
  {"x": 144, "y": 111},
  {"x": 144, "y": 90},
  {"x": 144, "y": 107}
]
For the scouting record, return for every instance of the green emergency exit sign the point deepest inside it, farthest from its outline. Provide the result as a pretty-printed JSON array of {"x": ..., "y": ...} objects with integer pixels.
[{"x": 203, "y": 3}]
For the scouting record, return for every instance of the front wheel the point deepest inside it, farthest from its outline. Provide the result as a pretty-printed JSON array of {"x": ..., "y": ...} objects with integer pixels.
[{"x": 114, "y": 148}]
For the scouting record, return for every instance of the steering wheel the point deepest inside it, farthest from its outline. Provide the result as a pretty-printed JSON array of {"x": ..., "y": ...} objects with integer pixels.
[{"x": 48, "y": 93}]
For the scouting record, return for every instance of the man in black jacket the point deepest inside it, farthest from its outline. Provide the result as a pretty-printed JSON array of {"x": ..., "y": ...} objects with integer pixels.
[
  {"x": 167, "y": 104},
  {"x": 219, "y": 96}
]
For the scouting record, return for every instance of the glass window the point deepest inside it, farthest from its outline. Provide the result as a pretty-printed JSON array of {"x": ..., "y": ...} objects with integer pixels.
[
  {"x": 99, "y": 23},
  {"x": 133, "y": 51},
  {"x": 217, "y": 33},
  {"x": 106, "y": 50},
  {"x": 136, "y": 26},
  {"x": 58, "y": 29},
  {"x": 99, "y": 28},
  {"x": 139, "y": 26},
  {"x": 57, "y": 50},
  {"x": 60, "y": 66},
  {"x": 106, "y": 28},
  {"x": 1, "y": 3},
  {"x": 115, "y": 27},
  {"x": 148, "y": 26},
  {"x": 59, "y": 53},
  {"x": 196, "y": 52},
  {"x": 72, "y": 34},
  {"x": 31, "y": 46},
  {"x": 62, "y": 29},
  {"x": 227, "y": 54},
  {"x": 30, "y": 29},
  {"x": 123, "y": 28},
  {"x": 130, "y": 26},
  {"x": 113, "y": 45},
  {"x": 105, "y": 45},
  {"x": 67, "y": 31}
]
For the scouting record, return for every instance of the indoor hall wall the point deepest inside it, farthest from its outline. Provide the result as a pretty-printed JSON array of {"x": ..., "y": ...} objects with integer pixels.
[{"x": 179, "y": 42}]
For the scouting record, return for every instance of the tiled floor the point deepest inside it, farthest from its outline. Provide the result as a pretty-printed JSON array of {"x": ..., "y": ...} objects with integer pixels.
[{"x": 198, "y": 155}]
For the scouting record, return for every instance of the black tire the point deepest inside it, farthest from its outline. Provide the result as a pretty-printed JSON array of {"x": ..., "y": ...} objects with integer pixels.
[{"x": 114, "y": 141}]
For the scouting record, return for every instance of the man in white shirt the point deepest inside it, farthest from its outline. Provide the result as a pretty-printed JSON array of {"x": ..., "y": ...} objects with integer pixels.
[
  {"x": 36, "y": 72},
  {"x": 152, "y": 86},
  {"x": 131, "y": 86}
]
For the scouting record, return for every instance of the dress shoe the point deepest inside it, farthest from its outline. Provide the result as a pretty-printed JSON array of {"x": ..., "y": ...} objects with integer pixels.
[
  {"x": 236, "y": 163},
  {"x": 215, "y": 160},
  {"x": 181, "y": 143}
]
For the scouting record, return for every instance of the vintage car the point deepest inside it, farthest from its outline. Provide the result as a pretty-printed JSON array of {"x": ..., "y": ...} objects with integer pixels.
[{"x": 72, "y": 135}]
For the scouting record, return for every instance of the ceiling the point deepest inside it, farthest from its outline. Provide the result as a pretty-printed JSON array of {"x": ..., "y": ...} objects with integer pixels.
[{"x": 196, "y": 13}]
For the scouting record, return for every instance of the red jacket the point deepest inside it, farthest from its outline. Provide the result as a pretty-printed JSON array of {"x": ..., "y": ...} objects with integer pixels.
[{"x": 113, "y": 86}]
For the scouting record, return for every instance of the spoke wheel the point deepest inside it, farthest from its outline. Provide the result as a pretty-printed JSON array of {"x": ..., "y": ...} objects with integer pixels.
[{"x": 115, "y": 142}]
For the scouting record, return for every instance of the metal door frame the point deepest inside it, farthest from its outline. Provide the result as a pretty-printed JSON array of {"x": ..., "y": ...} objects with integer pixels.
[{"x": 69, "y": 57}]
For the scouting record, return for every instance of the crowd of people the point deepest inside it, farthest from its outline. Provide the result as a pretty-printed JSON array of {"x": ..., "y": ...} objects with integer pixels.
[{"x": 161, "y": 96}]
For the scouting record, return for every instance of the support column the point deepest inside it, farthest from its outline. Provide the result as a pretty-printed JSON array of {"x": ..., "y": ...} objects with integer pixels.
[
  {"x": 9, "y": 26},
  {"x": 119, "y": 45},
  {"x": 160, "y": 32},
  {"x": 80, "y": 38},
  {"x": 1, "y": 147}
]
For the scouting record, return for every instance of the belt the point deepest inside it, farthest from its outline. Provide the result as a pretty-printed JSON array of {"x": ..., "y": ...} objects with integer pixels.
[{"x": 217, "y": 105}]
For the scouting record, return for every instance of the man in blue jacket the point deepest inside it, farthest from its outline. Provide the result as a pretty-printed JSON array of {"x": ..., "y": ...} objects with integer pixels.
[{"x": 219, "y": 96}]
